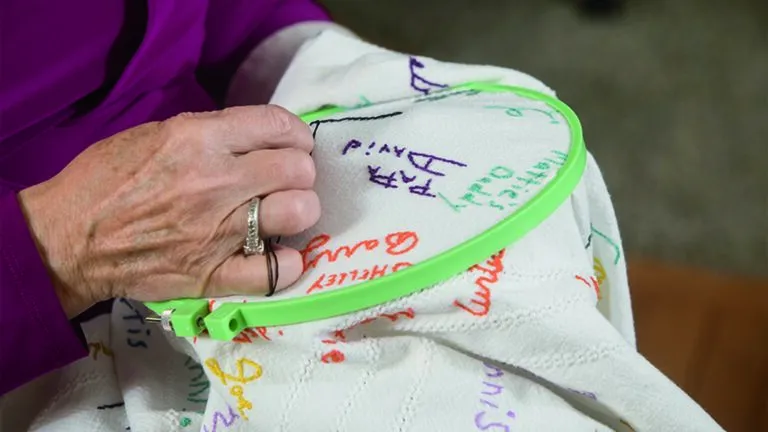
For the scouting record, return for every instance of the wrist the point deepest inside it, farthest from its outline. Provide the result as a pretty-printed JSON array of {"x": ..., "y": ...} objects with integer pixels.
[{"x": 47, "y": 225}]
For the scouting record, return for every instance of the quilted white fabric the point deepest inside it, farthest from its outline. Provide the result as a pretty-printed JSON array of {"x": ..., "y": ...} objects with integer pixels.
[{"x": 537, "y": 337}]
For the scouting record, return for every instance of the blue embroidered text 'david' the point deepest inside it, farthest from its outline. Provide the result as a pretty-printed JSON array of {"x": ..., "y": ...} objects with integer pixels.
[{"x": 420, "y": 166}]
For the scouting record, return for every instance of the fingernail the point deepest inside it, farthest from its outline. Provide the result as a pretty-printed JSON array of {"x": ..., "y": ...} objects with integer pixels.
[{"x": 289, "y": 266}]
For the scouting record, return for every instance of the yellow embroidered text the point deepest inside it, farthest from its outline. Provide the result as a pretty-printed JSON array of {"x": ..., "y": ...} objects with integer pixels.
[{"x": 241, "y": 377}]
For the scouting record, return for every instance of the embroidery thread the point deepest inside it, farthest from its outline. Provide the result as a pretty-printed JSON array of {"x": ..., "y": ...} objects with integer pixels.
[
  {"x": 516, "y": 184},
  {"x": 483, "y": 293},
  {"x": 492, "y": 389},
  {"x": 243, "y": 404},
  {"x": 397, "y": 243},
  {"x": 418, "y": 82},
  {"x": 219, "y": 416},
  {"x": 339, "y": 337}
]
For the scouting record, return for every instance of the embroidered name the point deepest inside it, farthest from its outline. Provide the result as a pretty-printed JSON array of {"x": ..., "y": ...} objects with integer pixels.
[{"x": 502, "y": 188}]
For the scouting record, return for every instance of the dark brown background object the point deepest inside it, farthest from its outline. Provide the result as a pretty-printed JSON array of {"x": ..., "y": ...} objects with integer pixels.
[{"x": 709, "y": 334}]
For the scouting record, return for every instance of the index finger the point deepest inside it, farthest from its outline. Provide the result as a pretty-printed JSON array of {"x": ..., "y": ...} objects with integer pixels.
[{"x": 245, "y": 129}]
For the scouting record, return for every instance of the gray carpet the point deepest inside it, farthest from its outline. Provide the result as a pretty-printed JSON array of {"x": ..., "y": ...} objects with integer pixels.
[{"x": 673, "y": 96}]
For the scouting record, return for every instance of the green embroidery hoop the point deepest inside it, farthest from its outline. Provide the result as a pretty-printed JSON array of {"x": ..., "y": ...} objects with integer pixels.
[{"x": 190, "y": 317}]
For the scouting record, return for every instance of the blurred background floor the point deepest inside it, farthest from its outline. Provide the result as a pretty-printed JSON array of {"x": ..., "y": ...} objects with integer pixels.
[{"x": 673, "y": 96}]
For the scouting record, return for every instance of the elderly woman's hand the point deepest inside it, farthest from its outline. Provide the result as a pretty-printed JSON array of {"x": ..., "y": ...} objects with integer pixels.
[{"x": 160, "y": 211}]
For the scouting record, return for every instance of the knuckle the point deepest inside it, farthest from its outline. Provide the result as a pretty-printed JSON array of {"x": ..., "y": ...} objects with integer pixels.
[
  {"x": 293, "y": 168},
  {"x": 231, "y": 111},
  {"x": 299, "y": 213},
  {"x": 147, "y": 132},
  {"x": 280, "y": 120},
  {"x": 305, "y": 169},
  {"x": 152, "y": 127},
  {"x": 293, "y": 216},
  {"x": 304, "y": 140},
  {"x": 277, "y": 169},
  {"x": 185, "y": 115},
  {"x": 188, "y": 133},
  {"x": 311, "y": 208},
  {"x": 175, "y": 126},
  {"x": 182, "y": 121}
]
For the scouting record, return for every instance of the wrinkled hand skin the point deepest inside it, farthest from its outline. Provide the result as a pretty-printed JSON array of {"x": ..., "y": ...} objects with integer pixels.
[{"x": 160, "y": 211}]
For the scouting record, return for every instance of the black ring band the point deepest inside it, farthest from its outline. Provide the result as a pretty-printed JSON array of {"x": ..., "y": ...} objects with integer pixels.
[{"x": 272, "y": 274}]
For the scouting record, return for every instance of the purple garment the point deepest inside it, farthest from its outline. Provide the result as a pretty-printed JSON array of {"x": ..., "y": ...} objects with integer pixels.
[{"x": 74, "y": 72}]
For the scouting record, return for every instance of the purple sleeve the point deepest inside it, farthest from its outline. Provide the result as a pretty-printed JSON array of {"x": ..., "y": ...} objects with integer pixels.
[
  {"x": 235, "y": 27},
  {"x": 35, "y": 335}
]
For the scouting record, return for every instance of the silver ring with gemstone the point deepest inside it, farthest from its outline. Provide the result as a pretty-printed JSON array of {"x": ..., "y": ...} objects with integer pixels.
[{"x": 254, "y": 245}]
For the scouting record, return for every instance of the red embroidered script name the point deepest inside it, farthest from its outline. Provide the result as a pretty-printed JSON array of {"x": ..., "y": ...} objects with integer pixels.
[
  {"x": 336, "y": 356},
  {"x": 481, "y": 304},
  {"x": 338, "y": 279},
  {"x": 255, "y": 333},
  {"x": 591, "y": 283},
  {"x": 398, "y": 243}
]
